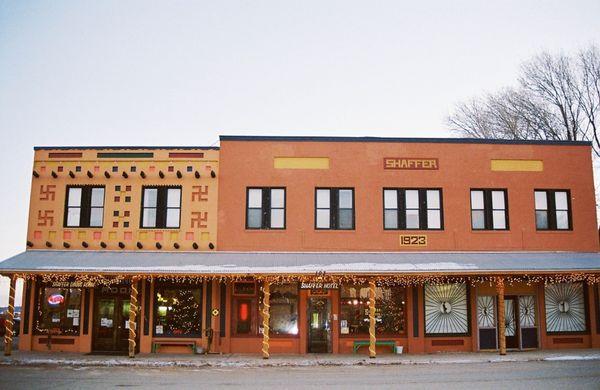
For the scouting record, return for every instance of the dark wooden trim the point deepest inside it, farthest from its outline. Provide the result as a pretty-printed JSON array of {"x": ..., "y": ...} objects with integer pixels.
[
  {"x": 567, "y": 340},
  {"x": 86, "y": 310},
  {"x": 208, "y": 314},
  {"x": 27, "y": 306},
  {"x": 415, "y": 308},
  {"x": 147, "y": 287},
  {"x": 56, "y": 340},
  {"x": 442, "y": 342},
  {"x": 65, "y": 155},
  {"x": 223, "y": 310}
]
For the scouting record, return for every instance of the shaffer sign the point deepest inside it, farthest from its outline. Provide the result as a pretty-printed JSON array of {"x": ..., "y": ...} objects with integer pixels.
[{"x": 410, "y": 163}]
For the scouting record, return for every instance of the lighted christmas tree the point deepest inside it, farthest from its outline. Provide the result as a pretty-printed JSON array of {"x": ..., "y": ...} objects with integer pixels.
[{"x": 185, "y": 315}]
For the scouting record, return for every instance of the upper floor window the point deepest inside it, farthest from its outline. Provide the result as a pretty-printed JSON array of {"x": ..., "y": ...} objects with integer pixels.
[
  {"x": 489, "y": 210},
  {"x": 334, "y": 208},
  {"x": 84, "y": 206},
  {"x": 412, "y": 209},
  {"x": 552, "y": 210},
  {"x": 161, "y": 207},
  {"x": 265, "y": 208}
]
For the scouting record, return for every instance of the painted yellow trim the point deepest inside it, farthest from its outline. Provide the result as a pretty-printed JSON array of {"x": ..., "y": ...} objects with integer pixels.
[
  {"x": 517, "y": 165},
  {"x": 301, "y": 162}
]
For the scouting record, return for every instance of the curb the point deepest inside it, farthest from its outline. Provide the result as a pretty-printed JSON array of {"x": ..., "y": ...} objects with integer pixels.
[{"x": 74, "y": 363}]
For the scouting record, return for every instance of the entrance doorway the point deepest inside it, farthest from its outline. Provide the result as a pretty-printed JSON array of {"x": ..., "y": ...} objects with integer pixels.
[
  {"x": 521, "y": 322},
  {"x": 111, "y": 319},
  {"x": 319, "y": 325}
]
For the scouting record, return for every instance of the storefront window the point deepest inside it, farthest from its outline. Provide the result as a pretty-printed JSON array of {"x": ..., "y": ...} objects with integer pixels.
[
  {"x": 284, "y": 309},
  {"x": 390, "y": 317},
  {"x": 565, "y": 307},
  {"x": 178, "y": 310},
  {"x": 58, "y": 310}
]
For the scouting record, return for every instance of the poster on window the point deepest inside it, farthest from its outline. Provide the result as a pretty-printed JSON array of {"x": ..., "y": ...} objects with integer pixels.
[{"x": 446, "y": 309}]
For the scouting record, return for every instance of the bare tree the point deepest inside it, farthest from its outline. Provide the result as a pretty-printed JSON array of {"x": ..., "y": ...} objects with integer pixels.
[{"x": 557, "y": 98}]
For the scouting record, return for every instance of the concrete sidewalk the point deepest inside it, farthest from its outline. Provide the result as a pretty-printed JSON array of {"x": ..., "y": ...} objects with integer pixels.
[{"x": 20, "y": 358}]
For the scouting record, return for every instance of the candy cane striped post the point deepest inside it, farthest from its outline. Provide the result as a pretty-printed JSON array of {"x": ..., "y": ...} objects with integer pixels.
[
  {"x": 133, "y": 308},
  {"x": 501, "y": 316},
  {"x": 266, "y": 316},
  {"x": 372, "y": 339},
  {"x": 10, "y": 321}
]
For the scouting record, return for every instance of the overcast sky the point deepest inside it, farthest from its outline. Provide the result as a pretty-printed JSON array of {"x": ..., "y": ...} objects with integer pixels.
[{"x": 144, "y": 73}]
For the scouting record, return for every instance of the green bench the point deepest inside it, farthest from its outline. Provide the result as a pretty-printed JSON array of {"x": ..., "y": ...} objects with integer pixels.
[
  {"x": 158, "y": 343},
  {"x": 366, "y": 343}
]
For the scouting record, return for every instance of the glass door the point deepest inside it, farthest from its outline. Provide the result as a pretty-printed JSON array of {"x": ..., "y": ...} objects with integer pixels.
[
  {"x": 111, "y": 320},
  {"x": 105, "y": 324},
  {"x": 319, "y": 325},
  {"x": 510, "y": 320},
  {"x": 528, "y": 321}
]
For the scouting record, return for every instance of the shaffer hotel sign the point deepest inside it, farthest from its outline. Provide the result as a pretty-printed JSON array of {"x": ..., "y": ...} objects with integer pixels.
[{"x": 410, "y": 163}]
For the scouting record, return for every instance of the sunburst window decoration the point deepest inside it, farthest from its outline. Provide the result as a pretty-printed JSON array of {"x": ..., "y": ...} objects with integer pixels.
[
  {"x": 486, "y": 311},
  {"x": 565, "y": 307},
  {"x": 527, "y": 311},
  {"x": 446, "y": 309}
]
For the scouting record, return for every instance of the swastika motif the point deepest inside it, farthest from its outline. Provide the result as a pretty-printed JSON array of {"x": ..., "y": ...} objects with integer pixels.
[
  {"x": 47, "y": 192},
  {"x": 45, "y": 218},
  {"x": 200, "y": 193},
  {"x": 199, "y": 219}
]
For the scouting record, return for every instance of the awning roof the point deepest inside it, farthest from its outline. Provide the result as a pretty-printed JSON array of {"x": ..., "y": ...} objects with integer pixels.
[{"x": 210, "y": 263}]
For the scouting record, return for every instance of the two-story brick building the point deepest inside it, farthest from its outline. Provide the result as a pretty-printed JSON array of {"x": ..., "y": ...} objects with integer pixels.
[{"x": 312, "y": 244}]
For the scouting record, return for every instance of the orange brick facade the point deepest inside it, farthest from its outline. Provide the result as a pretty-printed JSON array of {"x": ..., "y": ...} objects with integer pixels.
[{"x": 214, "y": 185}]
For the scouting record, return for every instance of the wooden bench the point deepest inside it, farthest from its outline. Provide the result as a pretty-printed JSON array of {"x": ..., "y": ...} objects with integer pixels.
[
  {"x": 158, "y": 343},
  {"x": 363, "y": 343}
]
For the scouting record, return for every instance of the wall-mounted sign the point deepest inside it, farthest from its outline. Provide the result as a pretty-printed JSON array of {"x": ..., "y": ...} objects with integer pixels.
[
  {"x": 72, "y": 284},
  {"x": 319, "y": 286},
  {"x": 55, "y": 299},
  {"x": 413, "y": 240},
  {"x": 244, "y": 288},
  {"x": 410, "y": 163}
]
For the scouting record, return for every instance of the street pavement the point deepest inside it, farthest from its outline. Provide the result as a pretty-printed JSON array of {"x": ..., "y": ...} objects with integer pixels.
[{"x": 513, "y": 375}]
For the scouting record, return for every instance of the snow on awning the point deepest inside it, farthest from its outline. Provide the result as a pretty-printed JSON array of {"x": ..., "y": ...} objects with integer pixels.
[{"x": 225, "y": 263}]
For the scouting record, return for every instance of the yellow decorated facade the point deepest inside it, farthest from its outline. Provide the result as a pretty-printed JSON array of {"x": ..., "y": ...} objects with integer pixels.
[{"x": 123, "y": 173}]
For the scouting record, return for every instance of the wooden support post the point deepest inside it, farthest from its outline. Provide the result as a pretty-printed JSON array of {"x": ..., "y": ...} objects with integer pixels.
[
  {"x": 501, "y": 316},
  {"x": 133, "y": 309},
  {"x": 9, "y": 324},
  {"x": 372, "y": 339},
  {"x": 266, "y": 316}
]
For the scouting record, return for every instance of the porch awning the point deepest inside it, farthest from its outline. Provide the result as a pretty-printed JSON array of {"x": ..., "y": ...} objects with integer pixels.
[{"x": 224, "y": 263}]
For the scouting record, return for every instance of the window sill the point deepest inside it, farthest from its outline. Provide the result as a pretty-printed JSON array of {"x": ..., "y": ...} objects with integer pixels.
[
  {"x": 334, "y": 230},
  {"x": 265, "y": 230},
  {"x": 366, "y": 336},
  {"x": 490, "y": 231},
  {"x": 396, "y": 231},
  {"x": 568, "y": 231}
]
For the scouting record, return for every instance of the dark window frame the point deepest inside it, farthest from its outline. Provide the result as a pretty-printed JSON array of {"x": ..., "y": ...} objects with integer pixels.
[
  {"x": 159, "y": 285},
  {"x": 85, "y": 206},
  {"x": 488, "y": 210},
  {"x": 401, "y": 208},
  {"x": 266, "y": 208},
  {"x": 39, "y": 320},
  {"x": 161, "y": 207},
  {"x": 551, "y": 209},
  {"x": 469, "y": 314},
  {"x": 334, "y": 197}
]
